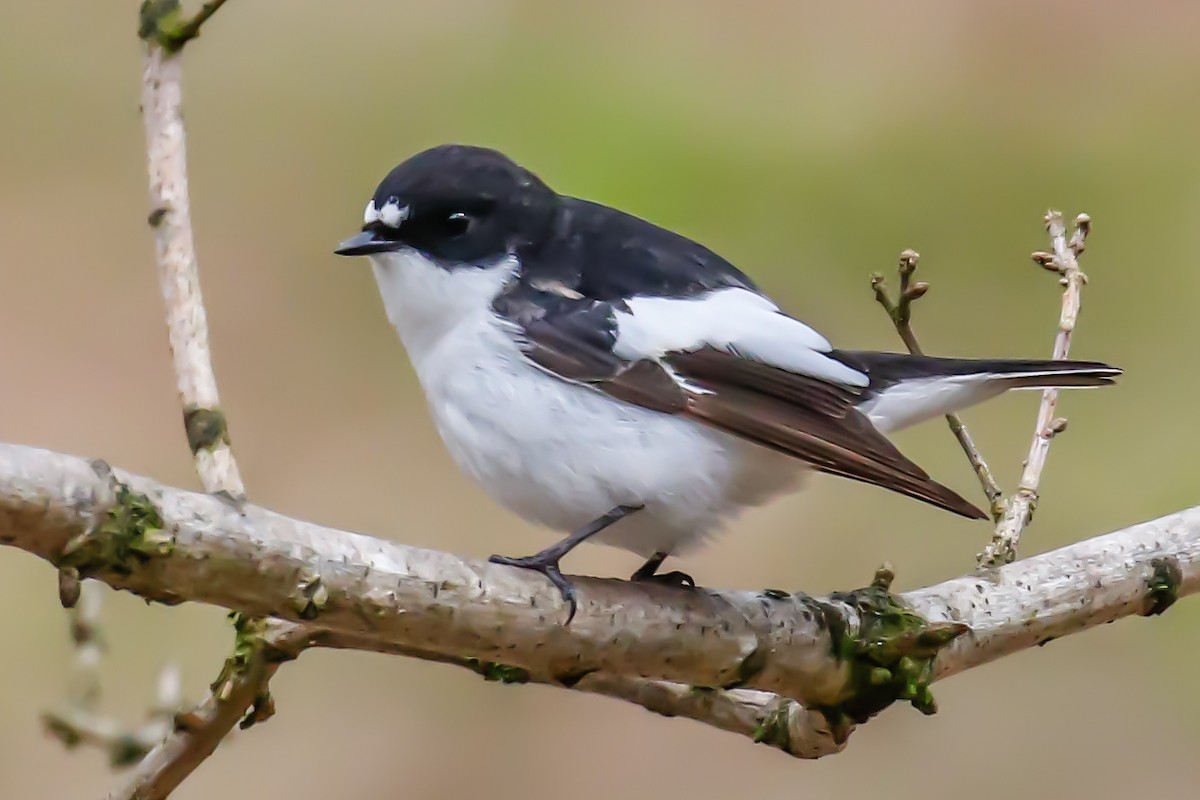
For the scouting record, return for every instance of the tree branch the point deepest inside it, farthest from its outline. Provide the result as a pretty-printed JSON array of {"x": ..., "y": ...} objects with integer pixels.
[
  {"x": 900, "y": 312},
  {"x": 1019, "y": 510},
  {"x": 179, "y": 276},
  {"x": 763, "y": 717},
  {"x": 197, "y": 734},
  {"x": 79, "y": 721},
  {"x": 845, "y": 656},
  {"x": 243, "y": 682}
]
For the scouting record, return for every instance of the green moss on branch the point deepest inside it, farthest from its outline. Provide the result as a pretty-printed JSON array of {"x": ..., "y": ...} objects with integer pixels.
[
  {"x": 890, "y": 655},
  {"x": 130, "y": 534},
  {"x": 773, "y": 730},
  {"x": 495, "y": 671},
  {"x": 1162, "y": 589},
  {"x": 162, "y": 23},
  {"x": 251, "y": 652},
  {"x": 205, "y": 428}
]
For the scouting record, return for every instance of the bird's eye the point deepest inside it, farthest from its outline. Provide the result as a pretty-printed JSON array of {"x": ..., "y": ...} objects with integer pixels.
[{"x": 457, "y": 224}]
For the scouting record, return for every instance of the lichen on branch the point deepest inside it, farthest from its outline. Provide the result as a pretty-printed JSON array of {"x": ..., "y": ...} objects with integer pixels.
[{"x": 891, "y": 654}]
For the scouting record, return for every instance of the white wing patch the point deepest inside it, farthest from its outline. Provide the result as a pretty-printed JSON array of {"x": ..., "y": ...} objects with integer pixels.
[{"x": 735, "y": 320}]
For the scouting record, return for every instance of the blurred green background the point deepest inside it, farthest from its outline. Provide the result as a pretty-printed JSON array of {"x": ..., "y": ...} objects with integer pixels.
[{"x": 807, "y": 142}]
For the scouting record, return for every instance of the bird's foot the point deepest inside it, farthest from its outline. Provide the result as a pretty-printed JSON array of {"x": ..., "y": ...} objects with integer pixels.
[
  {"x": 546, "y": 564},
  {"x": 680, "y": 580},
  {"x": 648, "y": 573}
]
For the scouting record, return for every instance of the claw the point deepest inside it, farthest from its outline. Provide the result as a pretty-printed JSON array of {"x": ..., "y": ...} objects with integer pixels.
[
  {"x": 648, "y": 573},
  {"x": 680, "y": 580},
  {"x": 546, "y": 562},
  {"x": 550, "y": 569}
]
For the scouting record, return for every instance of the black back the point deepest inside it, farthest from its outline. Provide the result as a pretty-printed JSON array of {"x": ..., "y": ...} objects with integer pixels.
[
  {"x": 606, "y": 254},
  {"x": 468, "y": 206}
]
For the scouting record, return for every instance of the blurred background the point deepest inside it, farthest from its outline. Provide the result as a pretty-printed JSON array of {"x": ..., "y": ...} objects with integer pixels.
[{"x": 807, "y": 142}]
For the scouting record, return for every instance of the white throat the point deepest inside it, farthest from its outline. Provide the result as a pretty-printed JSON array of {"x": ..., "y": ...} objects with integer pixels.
[{"x": 425, "y": 302}]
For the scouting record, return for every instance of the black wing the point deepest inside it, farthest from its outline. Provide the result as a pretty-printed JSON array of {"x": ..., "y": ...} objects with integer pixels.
[{"x": 590, "y": 238}]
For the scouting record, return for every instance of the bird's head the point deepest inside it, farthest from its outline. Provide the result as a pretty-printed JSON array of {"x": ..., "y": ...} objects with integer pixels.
[{"x": 457, "y": 206}]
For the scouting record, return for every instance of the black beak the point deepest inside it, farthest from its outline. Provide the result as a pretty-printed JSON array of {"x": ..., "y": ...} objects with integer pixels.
[{"x": 365, "y": 243}]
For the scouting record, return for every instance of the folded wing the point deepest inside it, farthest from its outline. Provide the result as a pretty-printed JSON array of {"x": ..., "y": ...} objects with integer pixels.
[{"x": 730, "y": 360}]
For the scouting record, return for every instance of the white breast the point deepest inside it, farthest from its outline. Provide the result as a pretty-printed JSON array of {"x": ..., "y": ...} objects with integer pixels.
[{"x": 554, "y": 452}]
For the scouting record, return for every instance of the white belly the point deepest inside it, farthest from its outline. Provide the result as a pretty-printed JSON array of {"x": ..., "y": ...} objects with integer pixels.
[{"x": 562, "y": 455}]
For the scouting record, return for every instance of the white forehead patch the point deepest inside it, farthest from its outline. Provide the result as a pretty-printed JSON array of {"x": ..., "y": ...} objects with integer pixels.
[
  {"x": 371, "y": 214},
  {"x": 392, "y": 214}
]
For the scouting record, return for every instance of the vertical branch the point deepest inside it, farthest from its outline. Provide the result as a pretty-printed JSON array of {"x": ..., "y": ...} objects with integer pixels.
[
  {"x": 179, "y": 277},
  {"x": 1019, "y": 511},
  {"x": 900, "y": 312},
  {"x": 242, "y": 685}
]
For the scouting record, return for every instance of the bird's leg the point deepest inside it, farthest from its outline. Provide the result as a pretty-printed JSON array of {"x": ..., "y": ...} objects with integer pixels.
[
  {"x": 546, "y": 562},
  {"x": 648, "y": 573}
]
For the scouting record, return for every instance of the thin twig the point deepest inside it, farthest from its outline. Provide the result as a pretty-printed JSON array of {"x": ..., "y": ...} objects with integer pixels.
[
  {"x": 163, "y": 23},
  {"x": 199, "y": 731},
  {"x": 191, "y": 29},
  {"x": 1064, "y": 260},
  {"x": 179, "y": 276},
  {"x": 900, "y": 312},
  {"x": 242, "y": 686},
  {"x": 80, "y": 721}
]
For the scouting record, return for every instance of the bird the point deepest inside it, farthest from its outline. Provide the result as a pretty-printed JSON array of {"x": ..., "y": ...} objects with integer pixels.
[{"x": 620, "y": 383}]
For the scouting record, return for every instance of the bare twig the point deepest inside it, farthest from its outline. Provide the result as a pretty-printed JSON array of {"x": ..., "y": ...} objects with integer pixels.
[
  {"x": 179, "y": 277},
  {"x": 242, "y": 685},
  {"x": 1020, "y": 507},
  {"x": 900, "y": 312},
  {"x": 191, "y": 28},
  {"x": 80, "y": 720},
  {"x": 383, "y": 596},
  {"x": 243, "y": 682}
]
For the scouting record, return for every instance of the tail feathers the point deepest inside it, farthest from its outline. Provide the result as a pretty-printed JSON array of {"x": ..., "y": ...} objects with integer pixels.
[
  {"x": 1054, "y": 374},
  {"x": 888, "y": 369},
  {"x": 905, "y": 390}
]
